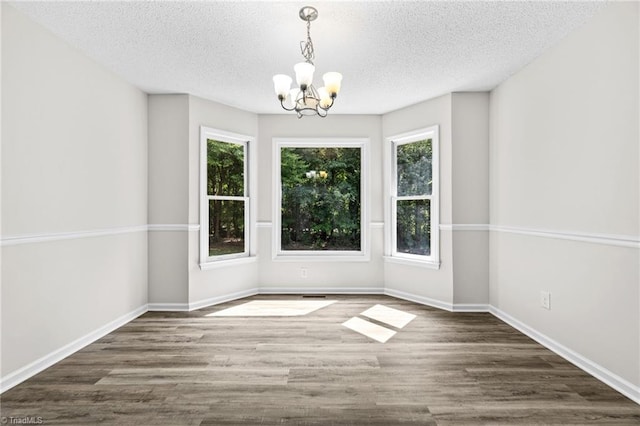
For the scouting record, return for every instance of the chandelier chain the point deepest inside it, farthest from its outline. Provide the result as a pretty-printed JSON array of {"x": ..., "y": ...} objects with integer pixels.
[{"x": 306, "y": 48}]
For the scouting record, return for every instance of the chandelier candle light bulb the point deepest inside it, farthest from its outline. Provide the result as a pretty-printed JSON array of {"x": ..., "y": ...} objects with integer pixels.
[
  {"x": 304, "y": 74},
  {"x": 325, "y": 98},
  {"x": 306, "y": 99},
  {"x": 332, "y": 81},
  {"x": 282, "y": 84}
]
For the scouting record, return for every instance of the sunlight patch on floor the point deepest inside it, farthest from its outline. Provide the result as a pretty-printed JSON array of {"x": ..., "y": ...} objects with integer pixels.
[
  {"x": 369, "y": 329},
  {"x": 393, "y": 317},
  {"x": 273, "y": 308}
]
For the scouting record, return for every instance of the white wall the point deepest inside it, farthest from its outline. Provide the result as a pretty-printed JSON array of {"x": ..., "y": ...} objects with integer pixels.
[
  {"x": 175, "y": 278},
  {"x": 564, "y": 157},
  {"x": 168, "y": 198},
  {"x": 423, "y": 283},
  {"x": 216, "y": 284},
  {"x": 470, "y": 197},
  {"x": 341, "y": 276},
  {"x": 74, "y": 161}
]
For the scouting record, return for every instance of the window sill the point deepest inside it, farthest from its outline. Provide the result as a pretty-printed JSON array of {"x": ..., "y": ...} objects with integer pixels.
[
  {"x": 215, "y": 264},
  {"x": 428, "y": 264},
  {"x": 321, "y": 257}
]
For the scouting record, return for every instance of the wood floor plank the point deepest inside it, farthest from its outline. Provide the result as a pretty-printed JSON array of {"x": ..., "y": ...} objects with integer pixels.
[{"x": 442, "y": 368}]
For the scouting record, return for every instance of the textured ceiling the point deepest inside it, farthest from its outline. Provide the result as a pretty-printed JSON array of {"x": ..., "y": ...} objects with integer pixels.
[{"x": 391, "y": 53}]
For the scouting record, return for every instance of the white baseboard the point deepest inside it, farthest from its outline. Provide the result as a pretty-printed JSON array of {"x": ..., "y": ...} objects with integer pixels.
[
  {"x": 168, "y": 307},
  {"x": 611, "y": 379},
  {"x": 30, "y": 370},
  {"x": 192, "y": 306},
  {"x": 321, "y": 290},
  {"x": 470, "y": 307},
  {"x": 419, "y": 299},
  {"x": 222, "y": 299},
  {"x": 185, "y": 307}
]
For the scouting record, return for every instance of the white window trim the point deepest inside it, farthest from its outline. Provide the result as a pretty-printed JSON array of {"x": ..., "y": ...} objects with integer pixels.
[
  {"x": 250, "y": 176},
  {"x": 363, "y": 255},
  {"x": 390, "y": 253}
]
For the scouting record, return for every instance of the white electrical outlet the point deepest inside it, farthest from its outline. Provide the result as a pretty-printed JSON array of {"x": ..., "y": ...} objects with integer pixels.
[
  {"x": 545, "y": 299},
  {"x": 303, "y": 272}
]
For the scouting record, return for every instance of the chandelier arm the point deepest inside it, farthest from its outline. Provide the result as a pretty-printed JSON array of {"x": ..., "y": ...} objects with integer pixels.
[
  {"x": 320, "y": 113},
  {"x": 328, "y": 107},
  {"x": 285, "y": 108}
]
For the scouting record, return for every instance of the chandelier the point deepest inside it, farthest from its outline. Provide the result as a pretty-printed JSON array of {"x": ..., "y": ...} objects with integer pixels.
[{"x": 306, "y": 99}]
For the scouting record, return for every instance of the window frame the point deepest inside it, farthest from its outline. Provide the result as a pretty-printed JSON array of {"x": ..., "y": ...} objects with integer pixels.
[
  {"x": 248, "y": 143},
  {"x": 321, "y": 255},
  {"x": 391, "y": 243}
]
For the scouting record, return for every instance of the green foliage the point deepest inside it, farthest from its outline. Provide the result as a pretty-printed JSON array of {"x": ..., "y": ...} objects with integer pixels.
[
  {"x": 413, "y": 232},
  {"x": 320, "y": 198},
  {"x": 414, "y": 168},
  {"x": 414, "y": 179},
  {"x": 225, "y": 177},
  {"x": 225, "y": 168},
  {"x": 292, "y": 168}
]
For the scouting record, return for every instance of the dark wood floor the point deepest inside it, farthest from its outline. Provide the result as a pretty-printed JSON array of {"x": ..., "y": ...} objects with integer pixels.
[{"x": 442, "y": 368}]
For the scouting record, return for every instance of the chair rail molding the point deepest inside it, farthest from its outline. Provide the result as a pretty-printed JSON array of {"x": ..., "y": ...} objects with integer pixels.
[
  {"x": 13, "y": 240},
  {"x": 632, "y": 241}
]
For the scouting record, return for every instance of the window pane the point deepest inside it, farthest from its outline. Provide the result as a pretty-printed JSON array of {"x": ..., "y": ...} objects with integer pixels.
[
  {"x": 225, "y": 168},
  {"x": 226, "y": 227},
  {"x": 414, "y": 227},
  {"x": 414, "y": 168},
  {"x": 320, "y": 198}
]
